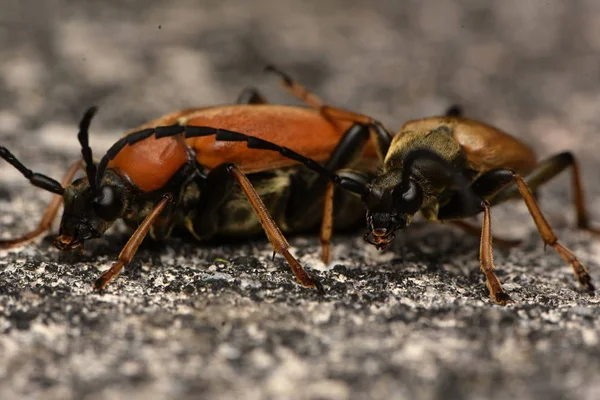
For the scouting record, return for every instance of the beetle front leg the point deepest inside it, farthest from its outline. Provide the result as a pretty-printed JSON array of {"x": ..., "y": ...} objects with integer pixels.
[
  {"x": 342, "y": 198},
  {"x": 486, "y": 258},
  {"x": 133, "y": 244},
  {"x": 456, "y": 209}
]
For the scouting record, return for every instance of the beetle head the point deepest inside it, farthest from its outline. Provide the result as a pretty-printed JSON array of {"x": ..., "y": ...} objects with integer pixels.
[
  {"x": 88, "y": 213},
  {"x": 93, "y": 203},
  {"x": 391, "y": 204}
]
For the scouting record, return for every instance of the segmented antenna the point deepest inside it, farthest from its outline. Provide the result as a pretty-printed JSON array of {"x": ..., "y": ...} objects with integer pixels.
[{"x": 86, "y": 151}]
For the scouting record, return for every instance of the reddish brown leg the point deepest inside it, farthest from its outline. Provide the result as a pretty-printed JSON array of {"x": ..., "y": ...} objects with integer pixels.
[
  {"x": 582, "y": 214},
  {"x": 327, "y": 224},
  {"x": 132, "y": 245},
  {"x": 303, "y": 94},
  {"x": 546, "y": 170},
  {"x": 278, "y": 241},
  {"x": 486, "y": 258},
  {"x": 548, "y": 235},
  {"x": 296, "y": 89},
  {"x": 473, "y": 230},
  {"x": 49, "y": 215},
  {"x": 380, "y": 137}
]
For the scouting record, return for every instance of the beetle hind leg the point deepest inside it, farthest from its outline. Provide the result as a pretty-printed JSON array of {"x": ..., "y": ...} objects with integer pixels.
[
  {"x": 549, "y": 236},
  {"x": 544, "y": 172},
  {"x": 296, "y": 89},
  {"x": 380, "y": 136}
]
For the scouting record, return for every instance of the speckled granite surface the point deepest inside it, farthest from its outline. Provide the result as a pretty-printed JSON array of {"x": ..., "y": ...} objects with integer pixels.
[{"x": 413, "y": 322}]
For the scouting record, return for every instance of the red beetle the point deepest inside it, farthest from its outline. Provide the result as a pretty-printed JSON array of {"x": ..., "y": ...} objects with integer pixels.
[{"x": 181, "y": 170}]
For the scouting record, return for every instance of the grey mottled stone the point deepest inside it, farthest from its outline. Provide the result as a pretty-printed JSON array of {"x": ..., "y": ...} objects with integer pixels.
[{"x": 413, "y": 322}]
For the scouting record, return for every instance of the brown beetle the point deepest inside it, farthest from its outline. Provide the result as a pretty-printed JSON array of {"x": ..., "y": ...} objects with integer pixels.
[{"x": 448, "y": 168}]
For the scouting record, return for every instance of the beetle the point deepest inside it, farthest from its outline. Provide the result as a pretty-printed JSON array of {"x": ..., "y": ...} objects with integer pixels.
[
  {"x": 177, "y": 171},
  {"x": 448, "y": 168}
]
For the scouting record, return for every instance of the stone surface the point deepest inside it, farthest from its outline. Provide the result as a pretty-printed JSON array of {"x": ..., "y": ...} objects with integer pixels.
[{"x": 224, "y": 321}]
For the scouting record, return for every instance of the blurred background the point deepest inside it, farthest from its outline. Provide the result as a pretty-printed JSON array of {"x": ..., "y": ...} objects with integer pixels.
[{"x": 531, "y": 68}]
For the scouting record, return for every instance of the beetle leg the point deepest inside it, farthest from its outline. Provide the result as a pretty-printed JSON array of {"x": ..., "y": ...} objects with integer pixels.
[
  {"x": 132, "y": 244},
  {"x": 327, "y": 224},
  {"x": 308, "y": 200},
  {"x": 485, "y": 186},
  {"x": 486, "y": 258},
  {"x": 328, "y": 214},
  {"x": 380, "y": 136},
  {"x": 474, "y": 230},
  {"x": 296, "y": 89},
  {"x": 49, "y": 215},
  {"x": 549, "y": 237},
  {"x": 545, "y": 171},
  {"x": 278, "y": 241},
  {"x": 251, "y": 96}
]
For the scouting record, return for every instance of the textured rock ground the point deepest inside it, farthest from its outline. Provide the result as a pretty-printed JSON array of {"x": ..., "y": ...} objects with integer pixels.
[{"x": 223, "y": 320}]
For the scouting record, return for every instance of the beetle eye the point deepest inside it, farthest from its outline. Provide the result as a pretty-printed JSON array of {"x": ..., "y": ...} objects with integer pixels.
[
  {"x": 108, "y": 204},
  {"x": 409, "y": 201}
]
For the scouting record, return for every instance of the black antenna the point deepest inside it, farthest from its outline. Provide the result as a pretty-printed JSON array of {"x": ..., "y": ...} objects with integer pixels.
[
  {"x": 86, "y": 151},
  {"x": 36, "y": 179}
]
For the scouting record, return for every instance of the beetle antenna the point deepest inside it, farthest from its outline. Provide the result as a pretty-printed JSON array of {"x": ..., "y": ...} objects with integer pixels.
[
  {"x": 39, "y": 180},
  {"x": 257, "y": 143},
  {"x": 86, "y": 151}
]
